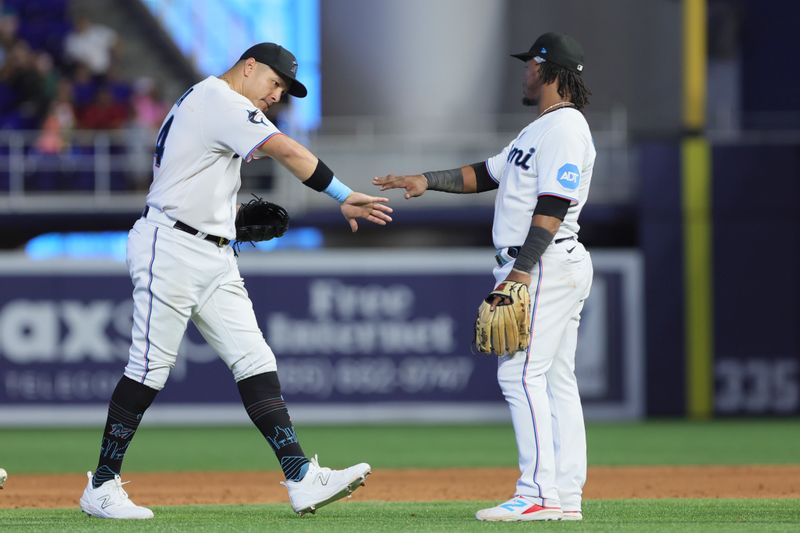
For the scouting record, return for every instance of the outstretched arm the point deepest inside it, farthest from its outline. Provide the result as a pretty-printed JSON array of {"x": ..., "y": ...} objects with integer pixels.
[
  {"x": 291, "y": 154},
  {"x": 467, "y": 179},
  {"x": 315, "y": 174}
]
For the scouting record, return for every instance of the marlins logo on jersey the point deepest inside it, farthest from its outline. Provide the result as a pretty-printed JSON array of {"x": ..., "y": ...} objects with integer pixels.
[
  {"x": 520, "y": 157},
  {"x": 255, "y": 113}
]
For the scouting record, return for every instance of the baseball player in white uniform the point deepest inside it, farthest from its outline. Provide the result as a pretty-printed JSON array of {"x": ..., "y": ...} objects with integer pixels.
[
  {"x": 183, "y": 269},
  {"x": 542, "y": 179}
]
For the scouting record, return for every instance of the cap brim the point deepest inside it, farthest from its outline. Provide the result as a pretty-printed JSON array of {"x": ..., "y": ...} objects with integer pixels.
[
  {"x": 524, "y": 56},
  {"x": 296, "y": 88}
]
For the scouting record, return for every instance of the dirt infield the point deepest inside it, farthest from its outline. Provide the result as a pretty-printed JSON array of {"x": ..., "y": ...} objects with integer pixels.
[{"x": 51, "y": 491}]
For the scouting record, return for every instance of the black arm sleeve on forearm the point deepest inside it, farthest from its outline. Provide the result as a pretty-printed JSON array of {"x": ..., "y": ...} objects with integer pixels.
[
  {"x": 552, "y": 206},
  {"x": 445, "y": 180},
  {"x": 483, "y": 180},
  {"x": 536, "y": 243},
  {"x": 453, "y": 180}
]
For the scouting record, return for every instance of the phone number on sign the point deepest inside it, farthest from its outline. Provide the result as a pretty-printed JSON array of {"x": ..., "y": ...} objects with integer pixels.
[{"x": 322, "y": 377}]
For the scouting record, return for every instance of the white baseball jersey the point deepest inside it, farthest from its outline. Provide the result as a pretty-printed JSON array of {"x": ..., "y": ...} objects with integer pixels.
[
  {"x": 199, "y": 153},
  {"x": 554, "y": 155}
]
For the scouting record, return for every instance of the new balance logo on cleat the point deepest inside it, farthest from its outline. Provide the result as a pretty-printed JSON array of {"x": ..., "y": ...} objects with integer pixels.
[
  {"x": 110, "y": 500},
  {"x": 104, "y": 501},
  {"x": 321, "y": 486},
  {"x": 512, "y": 505},
  {"x": 518, "y": 509},
  {"x": 323, "y": 478}
]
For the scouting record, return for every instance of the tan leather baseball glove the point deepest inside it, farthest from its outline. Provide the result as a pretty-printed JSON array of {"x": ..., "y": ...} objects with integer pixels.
[{"x": 506, "y": 329}]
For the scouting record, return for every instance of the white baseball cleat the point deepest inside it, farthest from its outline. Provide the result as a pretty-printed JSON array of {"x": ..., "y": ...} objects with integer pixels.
[
  {"x": 572, "y": 515},
  {"x": 110, "y": 500},
  {"x": 518, "y": 509},
  {"x": 321, "y": 486}
]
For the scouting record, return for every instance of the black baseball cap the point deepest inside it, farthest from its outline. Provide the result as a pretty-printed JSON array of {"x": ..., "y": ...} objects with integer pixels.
[
  {"x": 281, "y": 61},
  {"x": 556, "y": 48}
]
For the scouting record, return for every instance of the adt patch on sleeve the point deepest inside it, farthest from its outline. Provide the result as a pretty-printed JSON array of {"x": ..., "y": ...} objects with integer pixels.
[{"x": 569, "y": 176}]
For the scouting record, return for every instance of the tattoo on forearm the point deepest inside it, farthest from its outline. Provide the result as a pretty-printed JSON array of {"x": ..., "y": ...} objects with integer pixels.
[{"x": 445, "y": 180}]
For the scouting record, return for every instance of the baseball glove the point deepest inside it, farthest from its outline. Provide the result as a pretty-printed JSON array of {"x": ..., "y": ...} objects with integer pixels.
[
  {"x": 259, "y": 220},
  {"x": 507, "y": 328}
]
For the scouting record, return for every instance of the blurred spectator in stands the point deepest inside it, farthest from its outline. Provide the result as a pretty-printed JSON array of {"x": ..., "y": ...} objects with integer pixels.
[
  {"x": 92, "y": 44},
  {"x": 120, "y": 87},
  {"x": 103, "y": 113},
  {"x": 149, "y": 110},
  {"x": 84, "y": 86},
  {"x": 49, "y": 74},
  {"x": 59, "y": 123},
  {"x": 9, "y": 24},
  {"x": 19, "y": 72}
]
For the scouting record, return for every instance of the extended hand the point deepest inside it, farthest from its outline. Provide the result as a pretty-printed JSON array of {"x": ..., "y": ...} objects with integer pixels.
[
  {"x": 414, "y": 185},
  {"x": 371, "y": 208}
]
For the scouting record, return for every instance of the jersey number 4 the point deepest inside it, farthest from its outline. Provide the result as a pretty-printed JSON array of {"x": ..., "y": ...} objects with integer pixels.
[
  {"x": 162, "y": 135},
  {"x": 161, "y": 140}
]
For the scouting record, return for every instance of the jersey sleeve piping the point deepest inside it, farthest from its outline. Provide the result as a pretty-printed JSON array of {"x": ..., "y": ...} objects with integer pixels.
[{"x": 249, "y": 156}]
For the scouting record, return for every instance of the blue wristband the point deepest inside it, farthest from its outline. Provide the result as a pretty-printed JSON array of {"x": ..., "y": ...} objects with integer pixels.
[{"x": 338, "y": 190}]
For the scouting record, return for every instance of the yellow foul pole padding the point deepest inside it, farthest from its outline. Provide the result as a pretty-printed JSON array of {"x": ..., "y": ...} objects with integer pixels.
[
  {"x": 697, "y": 229},
  {"x": 698, "y": 283},
  {"x": 694, "y": 65}
]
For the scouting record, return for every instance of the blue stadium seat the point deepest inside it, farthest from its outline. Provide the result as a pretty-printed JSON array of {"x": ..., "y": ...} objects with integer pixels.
[{"x": 8, "y": 98}]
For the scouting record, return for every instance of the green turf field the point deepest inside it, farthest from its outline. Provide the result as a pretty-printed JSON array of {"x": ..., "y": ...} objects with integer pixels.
[
  {"x": 242, "y": 448},
  {"x": 640, "y": 516}
]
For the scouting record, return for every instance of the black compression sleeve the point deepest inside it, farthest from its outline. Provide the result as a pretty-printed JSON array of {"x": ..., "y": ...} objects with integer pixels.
[
  {"x": 321, "y": 177},
  {"x": 483, "y": 180},
  {"x": 536, "y": 243},
  {"x": 453, "y": 180},
  {"x": 552, "y": 206},
  {"x": 445, "y": 180}
]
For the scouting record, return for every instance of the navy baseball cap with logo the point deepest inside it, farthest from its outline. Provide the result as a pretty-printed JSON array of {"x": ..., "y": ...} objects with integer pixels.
[
  {"x": 556, "y": 48},
  {"x": 281, "y": 61}
]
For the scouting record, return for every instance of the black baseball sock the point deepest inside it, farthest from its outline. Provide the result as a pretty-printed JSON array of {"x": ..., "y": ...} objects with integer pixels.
[
  {"x": 261, "y": 396},
  {"x": 128, "y": 403}
]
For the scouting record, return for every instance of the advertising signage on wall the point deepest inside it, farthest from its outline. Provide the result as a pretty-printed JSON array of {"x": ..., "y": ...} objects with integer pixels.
[{"x": 358, "y": 336}]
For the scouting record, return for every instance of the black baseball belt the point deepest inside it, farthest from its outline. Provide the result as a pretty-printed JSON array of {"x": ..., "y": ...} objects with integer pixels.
[{"x": 218, "y": 241}]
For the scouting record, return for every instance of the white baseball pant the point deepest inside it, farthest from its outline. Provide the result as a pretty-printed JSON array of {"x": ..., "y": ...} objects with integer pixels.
[
  {"x": 177, "y": 277},
  {"x": 540, "y": 386}
]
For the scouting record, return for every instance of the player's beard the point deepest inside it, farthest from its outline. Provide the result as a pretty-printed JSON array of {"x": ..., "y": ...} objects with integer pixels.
[{"x": 531, "y": 101}]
